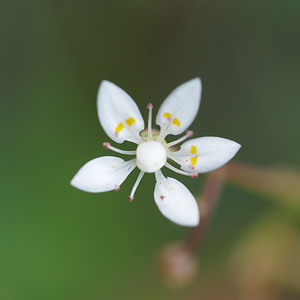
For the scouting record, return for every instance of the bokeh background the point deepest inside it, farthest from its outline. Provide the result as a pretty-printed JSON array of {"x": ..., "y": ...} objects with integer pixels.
[{"x": 60, "y": 243}]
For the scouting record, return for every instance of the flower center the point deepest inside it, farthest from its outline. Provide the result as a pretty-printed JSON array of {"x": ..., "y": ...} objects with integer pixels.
[{"x": 150, "y": 156}]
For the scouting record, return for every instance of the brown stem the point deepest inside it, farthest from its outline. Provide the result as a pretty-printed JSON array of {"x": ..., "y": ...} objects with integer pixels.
[
  {"x": 279, "y": 183},
  {"x": 207, "y": 203},
  {"x": 275, "y": 182}
]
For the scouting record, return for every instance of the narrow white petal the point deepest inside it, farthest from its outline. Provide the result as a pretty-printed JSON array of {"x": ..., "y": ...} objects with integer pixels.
[
  {"x": 118, "y": 114},
  {"x": 180, "y": 108},
  {"x": 102, "y": 174},
  {"x": 175, "y": 201},
  {"x": 209, "y": 153}
]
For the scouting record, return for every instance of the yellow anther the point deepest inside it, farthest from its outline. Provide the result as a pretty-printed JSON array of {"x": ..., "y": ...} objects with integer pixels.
[
  {"x": 193, "y": 149},
  {"x": 119, "y": 127},
  {"x": 166, "y": 115},
  {"x": 194, "y": 160},
  {"x": 130, "y": 121},
  {"x": 176, "y": 122}
]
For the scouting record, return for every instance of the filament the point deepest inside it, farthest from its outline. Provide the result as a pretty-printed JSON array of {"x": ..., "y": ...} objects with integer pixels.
[
  {"x": 138, "y": 180},
  {"x": 192, "y": 174},
  {"x": 110, "y": 147},
  {"x": 188, "y": 134},
  {"x": 150, "y": 107}
]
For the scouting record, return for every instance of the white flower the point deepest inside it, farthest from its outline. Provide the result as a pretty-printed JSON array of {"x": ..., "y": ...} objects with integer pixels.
[{"x": 122, "y": 120}]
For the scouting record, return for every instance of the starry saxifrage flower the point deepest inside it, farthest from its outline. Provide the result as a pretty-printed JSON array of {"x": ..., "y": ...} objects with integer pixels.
[{"x": 122, "y": 121}]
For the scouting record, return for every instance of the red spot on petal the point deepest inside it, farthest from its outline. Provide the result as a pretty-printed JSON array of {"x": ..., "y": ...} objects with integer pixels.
[
  {"x": 116, "y": 134},
  {"x": 191, "y": 167},
  {"x": 169, "y": 118},
  {"x": 117, "y": 187},
  {"x": 162, "y": 197},
  {"x": 194, "y": 175}
]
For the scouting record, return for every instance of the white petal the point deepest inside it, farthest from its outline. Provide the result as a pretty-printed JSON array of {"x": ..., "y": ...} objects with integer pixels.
[
  {"x": 212, "y": 153},
  {"x": 102, "y": 174},
  {"x": 118, "y": 114},
  {"x": 182, "y": 104},
  {"x": 175, "y": 201}
]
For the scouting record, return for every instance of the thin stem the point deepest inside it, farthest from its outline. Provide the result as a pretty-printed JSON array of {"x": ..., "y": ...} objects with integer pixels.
[
  {"x": 110, "y": 147},
  {"x": 150, "y": 107},
  {"x": 209, "y": 200},
  {"x": 138, "y": 180}
]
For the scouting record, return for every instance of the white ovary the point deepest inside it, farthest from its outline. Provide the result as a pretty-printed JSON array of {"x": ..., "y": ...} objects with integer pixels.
[{"x": 151, "y": 156}]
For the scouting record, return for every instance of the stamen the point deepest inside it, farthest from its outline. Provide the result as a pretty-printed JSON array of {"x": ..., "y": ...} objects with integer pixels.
[
  {"x": 110, "y": 147},
  {"x": 138, "y": 180},
  {"x": 150, "y": 107},
  {"x": 159, "y": 177},
  {"x": 169, "y": 166},
  {"x": 117, "y": 187},
  {"x": 188, "y": 134}
]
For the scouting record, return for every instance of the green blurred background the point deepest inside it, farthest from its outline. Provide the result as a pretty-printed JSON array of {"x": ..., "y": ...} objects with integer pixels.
[{"x": 61, "y": 243}]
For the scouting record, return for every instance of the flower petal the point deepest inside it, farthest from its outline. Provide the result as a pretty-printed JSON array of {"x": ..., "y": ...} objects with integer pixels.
[
  {"x": 180, "y": 108},
  {"x": 102, "y": 174},
  {"x": 118, "y": 114},
  {"x": 205, "y": 154},
  {"x": 175, "y": 201}
]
